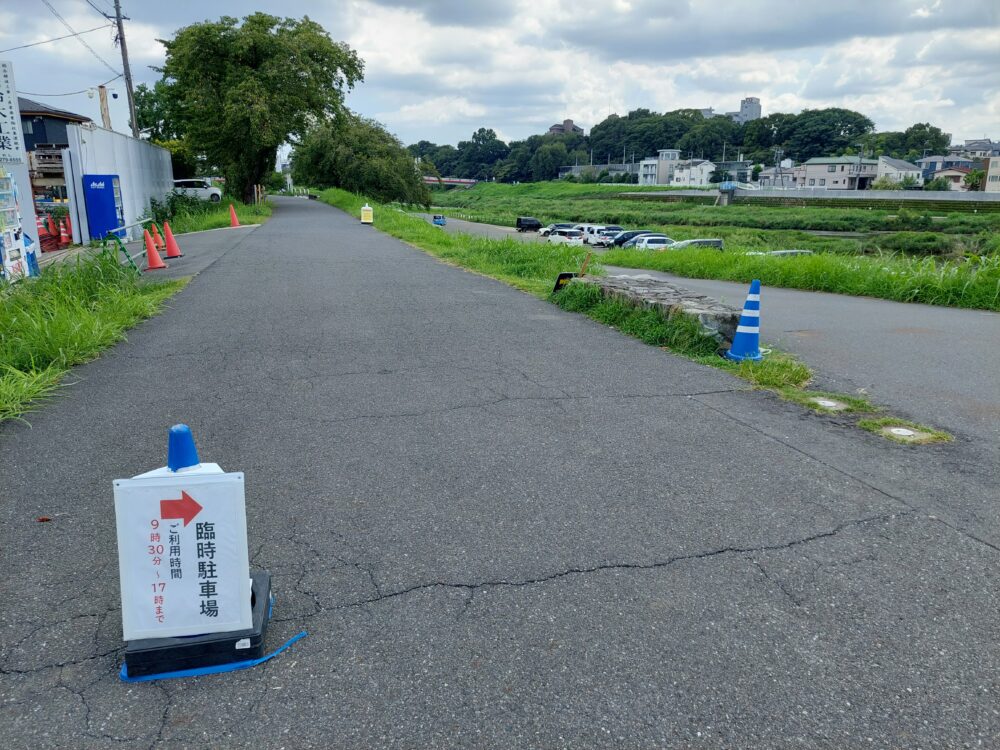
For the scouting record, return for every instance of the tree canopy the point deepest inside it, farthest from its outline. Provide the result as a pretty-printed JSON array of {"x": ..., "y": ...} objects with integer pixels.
[
  {"x": 236, "y": 90},
  {"x": 641, "y": 133},
  {"x": 359, "y": 155}
]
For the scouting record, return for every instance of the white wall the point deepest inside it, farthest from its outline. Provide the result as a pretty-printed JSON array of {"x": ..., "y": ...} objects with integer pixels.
[{"x": 144, "y": 170}]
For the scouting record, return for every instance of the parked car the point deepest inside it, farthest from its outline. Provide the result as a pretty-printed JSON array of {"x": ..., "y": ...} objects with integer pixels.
[
  {"x": 622, "y": 237},
  {"x": 528, "y": 224},
  {"x": 545, "y": 231},
  {"x": 697, "y": 243},
  {"x": 584, "y": 227},
  {"x": 199, "y": 187},
  {"x": 653, "y": 242},
  {"x": 566, "y": 237},
  {"x": 632, "y": 242},
  {"x": 606, "y": 236},
  {"x": 439, "y": 220}
]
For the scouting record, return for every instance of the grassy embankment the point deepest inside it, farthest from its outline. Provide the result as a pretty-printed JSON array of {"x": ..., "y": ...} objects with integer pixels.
[
  {"x": 65, "y": 317},
  {"x": 533, "y": 268},
  {"x": 197, "y": 216},
  {"x": 903, "y": 266}
]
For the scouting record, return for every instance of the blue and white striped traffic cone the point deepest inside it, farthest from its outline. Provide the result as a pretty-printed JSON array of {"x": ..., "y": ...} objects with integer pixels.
[{"x": 746, "y": 342}]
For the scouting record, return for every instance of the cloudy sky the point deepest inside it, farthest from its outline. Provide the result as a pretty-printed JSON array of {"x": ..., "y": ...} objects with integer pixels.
[{"x": 439, "y": 69}]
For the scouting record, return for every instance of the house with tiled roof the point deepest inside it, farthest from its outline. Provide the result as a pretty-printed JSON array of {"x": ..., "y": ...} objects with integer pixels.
[{"x": 898, "y": 170}]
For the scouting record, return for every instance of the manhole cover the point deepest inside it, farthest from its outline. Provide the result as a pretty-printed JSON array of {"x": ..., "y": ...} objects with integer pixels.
[
  {"x": 829, "y": 404},
  {"x": 907, "y": 434}
]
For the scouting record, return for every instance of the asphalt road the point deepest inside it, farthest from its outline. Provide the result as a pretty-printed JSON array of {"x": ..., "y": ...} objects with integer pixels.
[
  {"x": 503, "y": 526},
  {"x": 935, "y": 365}
]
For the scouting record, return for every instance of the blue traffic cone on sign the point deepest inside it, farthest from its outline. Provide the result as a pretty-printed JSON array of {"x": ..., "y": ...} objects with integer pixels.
[
  {"x": 746, "y": 342},
  {"x": 181, "y": 451}
]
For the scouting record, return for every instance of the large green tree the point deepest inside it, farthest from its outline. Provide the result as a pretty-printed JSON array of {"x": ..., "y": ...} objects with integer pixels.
[
  {"x": 242, "y": 88},
  {"x": 359, "y": 155}
]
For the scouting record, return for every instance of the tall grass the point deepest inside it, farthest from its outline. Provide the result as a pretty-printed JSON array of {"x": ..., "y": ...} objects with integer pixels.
[
  {"x": 972, "y": 283},
  {"x": 218, "y": 216},
  {"x": 65, "y": 317},
  {"x": 532, "y": 267}
]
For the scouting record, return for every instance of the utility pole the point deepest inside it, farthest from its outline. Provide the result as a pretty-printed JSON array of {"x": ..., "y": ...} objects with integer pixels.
[
  {"x": 126, "y": 68},
  {"x": 102, "y": 93}
]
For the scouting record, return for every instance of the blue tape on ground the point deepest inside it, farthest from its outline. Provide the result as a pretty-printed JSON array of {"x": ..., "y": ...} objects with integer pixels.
[{"x": 217, "y": 669}]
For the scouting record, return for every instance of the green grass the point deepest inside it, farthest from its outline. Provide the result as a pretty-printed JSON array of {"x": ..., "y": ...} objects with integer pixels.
[
  {"x": 972, "y": 283},
  {"x": 216, "y": 215},
  {"x": 530, "y": 267},
  {"x": 878, "y": 425},
  {"x": 65, "y": 317}
]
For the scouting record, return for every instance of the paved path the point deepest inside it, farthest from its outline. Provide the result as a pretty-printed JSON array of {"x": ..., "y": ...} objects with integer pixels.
[
  {"x": 936, "y": 365},
  {"x": 502, "y": 525}
]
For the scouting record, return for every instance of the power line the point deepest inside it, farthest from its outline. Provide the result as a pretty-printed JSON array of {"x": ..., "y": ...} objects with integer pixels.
[
  {"x": 78, "y": 37},
  {"x": 55, "y": 38},
  {"x": 72, "y": 93}
]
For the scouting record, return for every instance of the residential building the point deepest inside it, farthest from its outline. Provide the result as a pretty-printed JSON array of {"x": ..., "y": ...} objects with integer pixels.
[
  {"x": 659, "y": 169},
  {"x": 693, "y": 173},
  {"x": 898, "y": 170},
  {"x": 931, "y": 164},
  {"x": 992, "y": 168},
  {"x": 735, "y": 171},
  {"x": 44, "y": 139},
  {"x": 566, "y": 127},
  {"x": 839, "y": 172},
  {"x": 954, "y": 175},
  {"x": 976, "y": 148}
]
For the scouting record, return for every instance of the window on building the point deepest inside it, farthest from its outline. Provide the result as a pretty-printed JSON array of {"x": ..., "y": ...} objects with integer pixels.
[
  {"x": 27, "y": 126},
  {"x": 832, "y": 168},
  {"x": 822, "y": 181},
  {"x": 812, "y": 181}
]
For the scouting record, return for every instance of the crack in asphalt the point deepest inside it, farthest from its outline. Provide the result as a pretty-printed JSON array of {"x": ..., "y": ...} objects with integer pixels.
[{"x": 501, "y": 582}]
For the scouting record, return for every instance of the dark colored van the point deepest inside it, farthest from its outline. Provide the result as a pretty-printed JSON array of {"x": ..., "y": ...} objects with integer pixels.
[{"x": 528, "y": 224}]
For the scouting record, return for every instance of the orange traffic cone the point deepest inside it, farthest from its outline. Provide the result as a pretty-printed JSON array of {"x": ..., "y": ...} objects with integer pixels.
[
  {"x": 52, "y": 226},
  {"x": 160, "y": 244},
  {"x": 173, "y": 250},
  {"x": 69, "y": 227},
  {"x": 153, "y": 260},
  {"x": 233, "y": 221},
  {"x": 40, "y": 227},
  {"x": 63, "y": 234}
]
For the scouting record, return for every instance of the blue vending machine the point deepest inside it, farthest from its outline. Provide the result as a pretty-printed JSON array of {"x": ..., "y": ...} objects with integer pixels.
[{"x": 103, "y": 195}]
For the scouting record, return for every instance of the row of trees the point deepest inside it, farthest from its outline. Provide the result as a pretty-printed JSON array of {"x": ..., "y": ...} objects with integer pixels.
[{"x": 820, "y": 132}]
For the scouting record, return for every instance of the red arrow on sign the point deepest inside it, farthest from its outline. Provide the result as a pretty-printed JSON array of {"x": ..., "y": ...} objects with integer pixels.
[{"x": 187, "y": 508}]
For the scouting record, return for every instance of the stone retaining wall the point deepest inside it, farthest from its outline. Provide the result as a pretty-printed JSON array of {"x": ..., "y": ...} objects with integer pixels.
[{"x": 717, "y": 320}]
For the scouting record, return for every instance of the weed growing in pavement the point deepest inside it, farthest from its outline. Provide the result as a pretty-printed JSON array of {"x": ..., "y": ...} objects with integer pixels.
[
  {"x": 65, "y": 317},
  {"x": 919, "y": 434},
  {"x": 810, "y": 399}
]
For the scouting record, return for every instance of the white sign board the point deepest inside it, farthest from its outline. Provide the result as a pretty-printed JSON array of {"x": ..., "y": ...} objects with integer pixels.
[
  {"x": 182, "y": 554},
  {"x": 11, "y": 139}
]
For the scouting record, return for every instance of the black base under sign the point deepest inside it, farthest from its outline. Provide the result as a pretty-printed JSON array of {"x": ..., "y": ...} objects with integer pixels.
[{"x": 150, "y": 656}]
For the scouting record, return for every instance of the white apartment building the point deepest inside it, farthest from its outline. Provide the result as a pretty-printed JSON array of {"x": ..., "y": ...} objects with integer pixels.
[
  {"x": 659, "y": 169},
  {"x": 693, "y": 173},
  {"x": 992, "y": 169}
]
